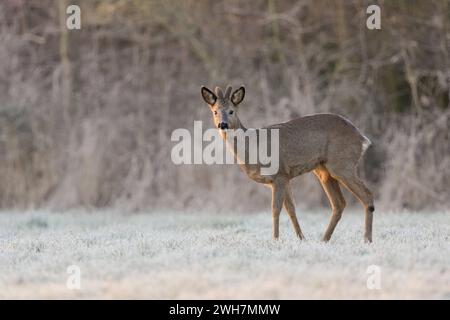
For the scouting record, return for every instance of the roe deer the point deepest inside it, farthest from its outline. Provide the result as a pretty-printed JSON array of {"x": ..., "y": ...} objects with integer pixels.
[{"x": 327, "y": 144}]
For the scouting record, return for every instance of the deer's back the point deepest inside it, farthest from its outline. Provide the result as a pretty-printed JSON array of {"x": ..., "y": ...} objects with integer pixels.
[{"x": 320, "y": 138}]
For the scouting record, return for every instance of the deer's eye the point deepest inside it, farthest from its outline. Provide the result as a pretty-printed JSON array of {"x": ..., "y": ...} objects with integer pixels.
[
  {"x": 231, "y": 112},
  {"x": 215, "y": 112}
]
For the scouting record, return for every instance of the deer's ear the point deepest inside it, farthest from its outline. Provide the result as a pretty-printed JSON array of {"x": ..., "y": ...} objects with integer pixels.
[
  {"x": 238, "y": 96},
  {"x": 209, "y": 97}
]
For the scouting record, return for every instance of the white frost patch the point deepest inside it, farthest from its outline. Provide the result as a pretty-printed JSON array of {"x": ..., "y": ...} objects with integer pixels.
[{"x": 187, "y": 256}]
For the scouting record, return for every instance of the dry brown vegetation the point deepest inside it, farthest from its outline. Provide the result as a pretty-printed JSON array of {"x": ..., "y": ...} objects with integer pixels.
[{"x": 86, "y": 115}]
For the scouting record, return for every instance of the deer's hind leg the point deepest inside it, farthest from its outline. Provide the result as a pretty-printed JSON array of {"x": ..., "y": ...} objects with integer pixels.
[
  {"x": 349, "y": 178},
  {"x": 290, "y": 208},
  {"x": 337, "y": 201}
]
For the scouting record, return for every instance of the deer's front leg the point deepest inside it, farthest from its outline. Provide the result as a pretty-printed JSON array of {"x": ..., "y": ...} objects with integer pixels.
[
  {"x": 278, "y": 194},
  {"x": 290, "y": 208}
]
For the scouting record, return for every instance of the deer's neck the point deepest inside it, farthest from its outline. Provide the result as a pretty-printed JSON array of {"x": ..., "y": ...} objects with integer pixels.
[
  {"x": 240, "y": 125},
  {"x": 251, "y": 169},
  {"x": 231, "y": 141}
]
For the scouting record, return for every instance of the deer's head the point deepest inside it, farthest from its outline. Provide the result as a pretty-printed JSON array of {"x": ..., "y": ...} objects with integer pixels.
[{"x": 224, "y": 106}]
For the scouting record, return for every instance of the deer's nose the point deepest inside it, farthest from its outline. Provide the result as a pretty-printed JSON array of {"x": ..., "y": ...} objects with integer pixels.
[{"x": 223, "y": 125}]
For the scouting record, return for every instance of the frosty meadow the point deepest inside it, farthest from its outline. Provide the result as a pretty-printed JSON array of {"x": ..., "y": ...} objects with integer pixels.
[{"x": 166, "y": 254}]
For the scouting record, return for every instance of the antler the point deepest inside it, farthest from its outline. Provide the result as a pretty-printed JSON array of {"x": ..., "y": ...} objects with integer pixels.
[
  {"x": 228, "y": 93},
  {"x": 219, "y": 93}
]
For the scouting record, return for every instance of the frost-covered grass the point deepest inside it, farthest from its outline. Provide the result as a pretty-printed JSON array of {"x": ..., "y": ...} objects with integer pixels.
[{"x": 190, "y": 256}]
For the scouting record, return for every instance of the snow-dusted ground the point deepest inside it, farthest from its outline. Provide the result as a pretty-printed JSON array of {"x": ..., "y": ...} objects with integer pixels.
[{"x": 190, "y": 256}]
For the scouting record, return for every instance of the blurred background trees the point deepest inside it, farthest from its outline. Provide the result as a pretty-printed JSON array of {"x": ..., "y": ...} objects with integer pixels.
[{"x": 86, "y": 115}]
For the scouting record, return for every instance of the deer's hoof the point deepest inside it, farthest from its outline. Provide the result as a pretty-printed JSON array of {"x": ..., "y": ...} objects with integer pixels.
[{"x": 368, "y": 239}]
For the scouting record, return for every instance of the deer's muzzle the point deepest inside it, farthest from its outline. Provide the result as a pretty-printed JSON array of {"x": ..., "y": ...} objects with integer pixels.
[{"x": 222, "y": 125}]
